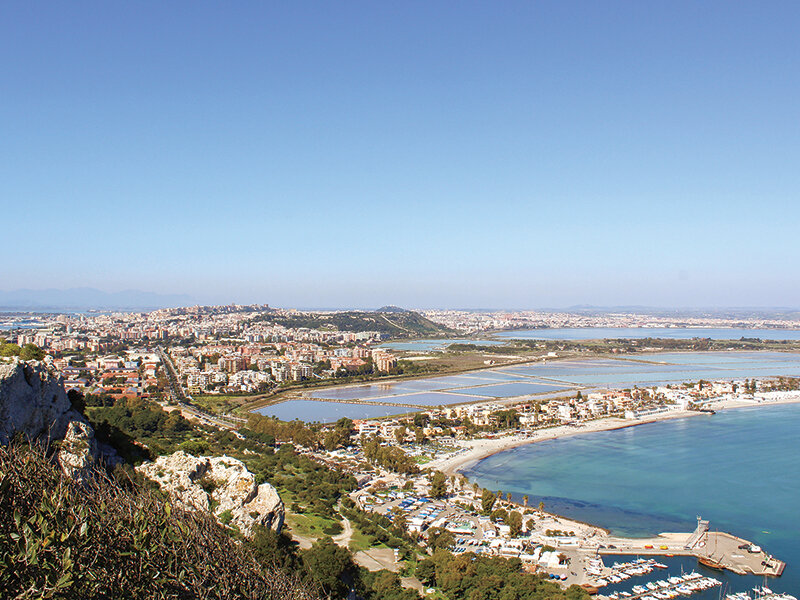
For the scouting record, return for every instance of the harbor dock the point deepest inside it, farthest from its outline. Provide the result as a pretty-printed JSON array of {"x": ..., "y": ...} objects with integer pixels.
[
  {"x": 726, "y": 551},
  {"x": 713, "y": 549}
]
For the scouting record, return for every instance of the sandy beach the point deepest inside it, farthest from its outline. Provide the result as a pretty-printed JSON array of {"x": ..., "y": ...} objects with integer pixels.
[{"x": 473, "y": 451}]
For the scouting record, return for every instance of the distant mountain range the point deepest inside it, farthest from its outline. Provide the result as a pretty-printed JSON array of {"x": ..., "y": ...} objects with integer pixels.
[{"x": 85, "y": 298}]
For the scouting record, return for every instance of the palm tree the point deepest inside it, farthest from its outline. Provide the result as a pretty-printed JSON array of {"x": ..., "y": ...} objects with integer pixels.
[
  {"x": 541, "y": 506},
  {"x": 508, "y": 497},
  {"x": 525, "y": 500}
]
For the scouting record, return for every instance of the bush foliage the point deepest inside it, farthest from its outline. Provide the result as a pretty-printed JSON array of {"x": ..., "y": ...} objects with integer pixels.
[{"x": 109, "y": 539}]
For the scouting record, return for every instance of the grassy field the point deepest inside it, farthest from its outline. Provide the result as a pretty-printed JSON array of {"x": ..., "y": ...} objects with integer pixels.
[
  {"x": 218, "y": 404},
  {"x": 361, "y": 541},
  {"x": 308, "y": 525}
]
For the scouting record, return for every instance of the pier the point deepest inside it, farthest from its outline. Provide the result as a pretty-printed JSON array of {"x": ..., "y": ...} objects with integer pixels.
[
  {"x": 715, "y": 550},
  {"x": 712, "y": 549},
  {"x": 726, "y": 551}
]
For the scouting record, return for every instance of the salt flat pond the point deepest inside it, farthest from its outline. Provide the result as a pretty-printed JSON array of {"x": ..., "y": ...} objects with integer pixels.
[
  {"x": 675, "y": 333},
  {"x": 533, "y": 380}
]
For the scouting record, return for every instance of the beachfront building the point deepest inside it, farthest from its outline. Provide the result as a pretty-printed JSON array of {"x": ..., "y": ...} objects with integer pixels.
[{"x": 650, "y": 411}]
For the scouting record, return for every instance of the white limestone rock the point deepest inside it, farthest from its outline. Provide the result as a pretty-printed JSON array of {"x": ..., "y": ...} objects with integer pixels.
[
  {"x": 178, "y": 474},
  {"x": 34, "y": 405},
  {"x": 78, "y": 451},
  {"x": 223, "y": 483},
  {"x": 33, "y": 402}
]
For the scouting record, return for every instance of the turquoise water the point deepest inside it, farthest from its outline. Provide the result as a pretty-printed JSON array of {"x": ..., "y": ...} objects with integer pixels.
[
  {"x": 738, "y": 468},
  {"x": 602, "y": 333}
]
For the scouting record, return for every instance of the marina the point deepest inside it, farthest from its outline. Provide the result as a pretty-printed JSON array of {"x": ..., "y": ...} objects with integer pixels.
[{"x": 665, "y": 589}]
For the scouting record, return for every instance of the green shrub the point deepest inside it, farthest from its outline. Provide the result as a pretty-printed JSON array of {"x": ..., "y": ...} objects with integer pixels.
[
  {"x": 333, "y": 529},
  {"x": 113, "y": 540}
]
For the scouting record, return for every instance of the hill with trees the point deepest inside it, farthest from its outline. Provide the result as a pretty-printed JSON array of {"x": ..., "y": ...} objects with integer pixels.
[{"x": 397, "y": 323}]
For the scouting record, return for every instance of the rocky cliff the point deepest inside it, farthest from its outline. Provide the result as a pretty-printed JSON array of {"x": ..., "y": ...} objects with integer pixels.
[
  {"x": 222, "y": 485},
  {"x": 33, "y": 404}
]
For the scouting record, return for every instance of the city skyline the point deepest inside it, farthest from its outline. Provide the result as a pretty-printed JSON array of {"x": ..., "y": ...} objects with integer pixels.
[{"x": 424, "y": 155}]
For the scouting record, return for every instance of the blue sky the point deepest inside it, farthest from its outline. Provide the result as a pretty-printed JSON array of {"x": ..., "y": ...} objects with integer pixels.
[{"x": 419, "y": 153}]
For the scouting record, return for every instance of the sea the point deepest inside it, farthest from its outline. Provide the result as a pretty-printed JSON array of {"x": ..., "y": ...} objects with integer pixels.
[{"x": 739, "y": 469}]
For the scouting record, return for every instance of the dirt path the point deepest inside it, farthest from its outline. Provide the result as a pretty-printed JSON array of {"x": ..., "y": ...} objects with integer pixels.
[
  {"x": 343, "y": 539},
  {"x": 376, "y": 559}
]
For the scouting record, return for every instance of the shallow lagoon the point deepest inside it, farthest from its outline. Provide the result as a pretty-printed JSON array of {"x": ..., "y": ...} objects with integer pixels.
[
  {"x": 434, "y": 398},
  {"x": 312, "y": 411},
  {"x": 603, "y": 333},
  {"x": 627, "y": 371},
  {"x": 507, "y": 390}
]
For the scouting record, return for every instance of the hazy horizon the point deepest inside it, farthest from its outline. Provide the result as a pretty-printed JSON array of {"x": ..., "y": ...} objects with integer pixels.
[{"x": 92, "y": 298}]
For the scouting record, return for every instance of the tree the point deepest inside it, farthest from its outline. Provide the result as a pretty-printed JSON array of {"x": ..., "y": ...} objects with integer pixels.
[
  {"x": 438, "y": 485},
  {"x": 385, "y": 585},
  {"x": 274, "y": 549},
  {"x": 31, "y": 352},
  {"x": 525, "y": 500},
  {"x": 514, "y": 521},
  {"x": 541, "y": 506},
  {"x": 499, "y": 514},
  {"x": 400, "y": 434},
  {"x": 508, "y": 497},
  {"x": 426, "y": 571},
  {"x": 487, "y": 501},
  {"x": 419, "y": 435},
  {"x": 9, "y": 349},
  {"x": 327, "y": 564},
  {"x": 335, "y": 438},
  {"x": 440, "y": 538}
]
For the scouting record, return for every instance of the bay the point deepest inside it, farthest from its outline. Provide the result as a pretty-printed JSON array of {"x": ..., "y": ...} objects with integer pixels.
[{"x": 738, "y": 468}]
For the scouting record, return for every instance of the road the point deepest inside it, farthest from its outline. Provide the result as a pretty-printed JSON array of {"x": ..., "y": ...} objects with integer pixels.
[{"x": 183, "y": 400}]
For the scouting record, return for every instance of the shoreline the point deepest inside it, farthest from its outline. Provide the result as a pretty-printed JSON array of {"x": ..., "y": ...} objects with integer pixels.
[
  {"x": 586, "y": 538},
  {"x": 477, "y": 450}
]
